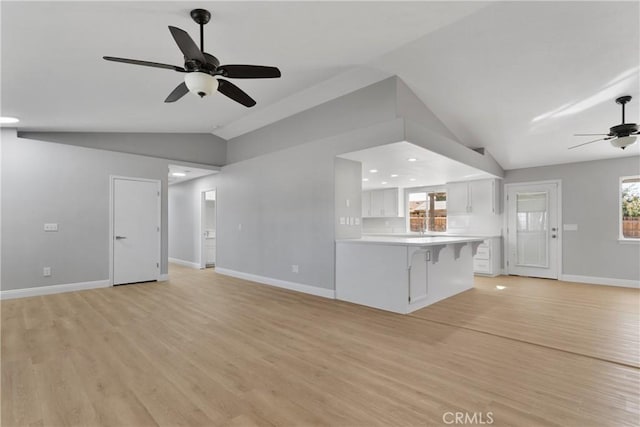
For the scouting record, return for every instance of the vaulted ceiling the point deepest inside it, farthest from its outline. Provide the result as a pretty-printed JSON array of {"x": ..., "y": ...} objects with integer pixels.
[{"x": 518, "y": 78}]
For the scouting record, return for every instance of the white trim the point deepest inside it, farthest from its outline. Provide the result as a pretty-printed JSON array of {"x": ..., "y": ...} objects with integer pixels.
[
  {"x": 601, "y": 281},
  {"x": 298, "y": 287},
  {"x": 112, "y": 179},
  {"x": 53, "y": 289},
  {"x": 505, "y": 221},
  {"x": 185, "y": 263},
  {"x": 163, "y": 278}
]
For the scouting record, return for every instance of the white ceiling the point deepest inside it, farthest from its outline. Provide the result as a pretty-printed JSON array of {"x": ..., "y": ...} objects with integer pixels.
[
  {"x": 189, "y": 171},
  {"x": 428, "y": 168},
  {"x": 518, "y": 78}
]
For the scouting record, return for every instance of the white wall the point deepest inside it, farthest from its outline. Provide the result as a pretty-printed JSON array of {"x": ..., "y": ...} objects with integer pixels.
[
  {"x": 348, "y": 198},
  {"x": 45, "y": 182},
  {"x": 590, "y": 199},
  {"x": 184, "y": 217}
]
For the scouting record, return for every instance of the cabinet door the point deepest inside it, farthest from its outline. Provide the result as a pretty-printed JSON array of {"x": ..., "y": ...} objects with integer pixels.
[
  {"x": 418, "y": 285},
  {"x": 457, "y": 197},
  {"x": 377, "y": 203},
  {"x": 366, "y": 204},
  {"x": 482, "y": 197},
  {"x": 390, "y": 200}
]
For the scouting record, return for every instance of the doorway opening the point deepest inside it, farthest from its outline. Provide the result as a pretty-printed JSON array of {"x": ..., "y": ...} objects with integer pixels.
[{"x": 208, "y": 228}]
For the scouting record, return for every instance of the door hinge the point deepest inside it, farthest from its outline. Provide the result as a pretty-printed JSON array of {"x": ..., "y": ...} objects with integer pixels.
[
  {"x": 158, "y": 194},
  {"x": 507, "y": 263},
  {"x": 157, "y": 265},
  {"x": 157, "y": 228}
]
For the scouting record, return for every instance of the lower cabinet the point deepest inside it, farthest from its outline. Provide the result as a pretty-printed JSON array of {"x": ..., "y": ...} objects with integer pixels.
[{"x": 487, "y": 258}]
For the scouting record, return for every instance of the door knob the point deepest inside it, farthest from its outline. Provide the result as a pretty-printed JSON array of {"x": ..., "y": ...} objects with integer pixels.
[
  {"x": 554, "y": 229},
  {"x": 120, "y": 237},
  {"x": 553, "y": 236}
]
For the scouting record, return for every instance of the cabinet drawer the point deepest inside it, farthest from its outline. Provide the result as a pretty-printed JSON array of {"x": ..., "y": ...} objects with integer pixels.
[
  {"x": 481, "y": 266},
  {"x": 483, "y": 253}
]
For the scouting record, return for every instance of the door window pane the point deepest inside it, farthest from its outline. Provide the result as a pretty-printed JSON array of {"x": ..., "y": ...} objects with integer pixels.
[
  {"x": 630, "y": 207},
  {"x": 532, "y": 225}
]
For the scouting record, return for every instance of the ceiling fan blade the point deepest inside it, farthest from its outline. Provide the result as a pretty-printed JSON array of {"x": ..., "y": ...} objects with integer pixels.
[
  {"x": 234, "y": 92},
  {"x": 249, "y": 71},
  {"x": 591, "y": 134},
  {"x": 180, "y": 91},
  {"x": 186, "y": 44},
  {"x": 589, "y": 142},
  {"x": 145, "y": 63}
]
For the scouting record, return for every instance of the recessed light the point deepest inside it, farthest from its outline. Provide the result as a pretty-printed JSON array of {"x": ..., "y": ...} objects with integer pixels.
[
  {"x": 373, "y": 170},
  {"x": 412, "y": 179},
  {"x": 384, "y": 182},
  {"x": 411, "y": 159},
  {"x": 499, "y": 287},
  {"x": 394, "y": 175},
  {"x": 365, "y": 179},
  {"x": 178, "y": 174},
  {"x": 8, "y": 120}
]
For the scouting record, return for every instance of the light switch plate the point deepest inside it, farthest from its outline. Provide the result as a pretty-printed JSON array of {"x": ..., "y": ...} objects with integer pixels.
[
  {"x": 342, "y": 220},
  {"x": 51, "y": 227}
]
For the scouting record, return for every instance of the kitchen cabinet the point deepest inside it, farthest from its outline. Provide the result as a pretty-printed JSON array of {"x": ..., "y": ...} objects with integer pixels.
[
  {"x": 487, "y": 258},
  {"x": 382, "y": 203},
  {"x": 473, "y": 197}
]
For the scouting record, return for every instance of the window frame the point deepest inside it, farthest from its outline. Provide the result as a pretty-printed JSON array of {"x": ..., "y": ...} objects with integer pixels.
[
  {"x": 426, "y": 189},
  {"x": 621, "y": 237}
]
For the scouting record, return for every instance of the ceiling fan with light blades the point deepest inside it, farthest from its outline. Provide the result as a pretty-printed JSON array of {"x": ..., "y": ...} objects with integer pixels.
[
  {"x": 203, "y": 70},
  {"x": 621, "y": 136}
]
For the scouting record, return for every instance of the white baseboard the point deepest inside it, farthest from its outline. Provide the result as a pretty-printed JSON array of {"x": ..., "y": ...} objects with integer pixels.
[
  {"x": 184, "y": 263},
  {"x": 53, "y": 289},
  {"x": 299, "y": 287},
  {"x": 601, "y": 281},
  {"x": 163, "y": 278}
]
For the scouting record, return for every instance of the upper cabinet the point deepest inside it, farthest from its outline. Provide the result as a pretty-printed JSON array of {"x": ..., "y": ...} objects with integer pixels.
[
  {"x": 473, "y": 197},
  {"x": 382, "y": 203}
]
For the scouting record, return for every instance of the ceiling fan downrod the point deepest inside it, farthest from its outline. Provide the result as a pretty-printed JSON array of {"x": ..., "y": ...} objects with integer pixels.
[
  {"x": 201, "y": 17},
  {"x": 622, "y": 101}
]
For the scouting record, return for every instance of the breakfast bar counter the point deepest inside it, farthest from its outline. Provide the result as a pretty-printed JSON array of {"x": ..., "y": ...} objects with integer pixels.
[{"x": 403, "y": 274}]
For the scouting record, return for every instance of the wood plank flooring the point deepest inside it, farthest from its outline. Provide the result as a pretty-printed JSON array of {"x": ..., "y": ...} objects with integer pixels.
[{"x": 206, "y": 350}]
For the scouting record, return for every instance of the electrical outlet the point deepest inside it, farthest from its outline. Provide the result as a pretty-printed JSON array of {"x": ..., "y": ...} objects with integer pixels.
[
  {"x": 51, "y": 227},
  {"x": 46, "y": 272},
  {"x": 294, "y": 268}
]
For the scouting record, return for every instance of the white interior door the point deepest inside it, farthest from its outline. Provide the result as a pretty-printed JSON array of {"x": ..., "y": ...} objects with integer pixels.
[
  {"x": 207, "y": 228},
  {"x": 532, "y": 230},
  {"x": 136, "y": 230}
]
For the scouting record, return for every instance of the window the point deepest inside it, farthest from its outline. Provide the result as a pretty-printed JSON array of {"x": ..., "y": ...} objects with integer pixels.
[
  {"x": 427, "y": 211},
  {"x": 630, "y": 207}
]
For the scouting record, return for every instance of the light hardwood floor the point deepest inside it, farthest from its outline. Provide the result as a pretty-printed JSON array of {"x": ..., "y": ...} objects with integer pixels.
[{"x": 205, "y": 349}]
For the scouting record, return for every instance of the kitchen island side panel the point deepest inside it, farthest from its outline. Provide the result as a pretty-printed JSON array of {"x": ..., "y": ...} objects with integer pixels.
[{"x": 373, "y": 275}]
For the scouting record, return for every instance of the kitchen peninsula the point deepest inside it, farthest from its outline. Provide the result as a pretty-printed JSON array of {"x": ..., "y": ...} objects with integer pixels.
[{"x": 403, "y": 274}]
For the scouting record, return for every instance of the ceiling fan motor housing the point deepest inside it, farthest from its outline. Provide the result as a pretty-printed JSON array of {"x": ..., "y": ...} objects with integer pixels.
[{"x": 624, "y": 129}]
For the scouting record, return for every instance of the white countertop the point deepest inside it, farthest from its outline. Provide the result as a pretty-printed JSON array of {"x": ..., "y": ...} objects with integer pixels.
[{"x": 411, "y": 241}]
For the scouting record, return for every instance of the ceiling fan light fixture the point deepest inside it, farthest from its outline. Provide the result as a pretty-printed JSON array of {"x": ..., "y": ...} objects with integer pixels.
[
  {"x": 201, "y": 84},
  {"x": 624, "y": 141}
]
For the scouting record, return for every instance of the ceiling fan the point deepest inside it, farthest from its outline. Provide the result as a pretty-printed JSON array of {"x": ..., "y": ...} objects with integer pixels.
[
  {"x": 621, "y": 136},
  {"x": 202, "y": 69}
]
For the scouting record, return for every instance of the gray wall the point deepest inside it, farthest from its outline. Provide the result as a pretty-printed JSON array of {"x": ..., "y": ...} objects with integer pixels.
[
  {"x": 285, "y": 204},
  {"x": 201, "y": 148},
  {"x": 373, "y": 104},
  {"x": 590, "y": 199},
  {"x": 184, "y": 217},
  {"x": 348, "y": 198},
  {"x": 44, "y": 182}
]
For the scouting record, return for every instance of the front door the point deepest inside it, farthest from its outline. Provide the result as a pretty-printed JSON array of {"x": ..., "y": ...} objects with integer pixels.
[
  {"x": 533, "y": 230},
  {"x": 136, "y": 230}
]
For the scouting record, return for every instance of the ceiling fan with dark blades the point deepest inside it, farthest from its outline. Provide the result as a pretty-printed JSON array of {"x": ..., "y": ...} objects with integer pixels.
[
  {"x": 202, "y": 70},
  {"x": 621, "y": 136}
]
